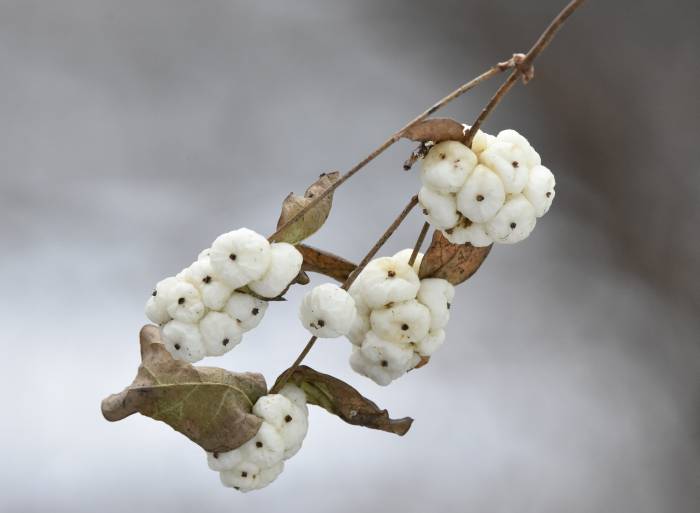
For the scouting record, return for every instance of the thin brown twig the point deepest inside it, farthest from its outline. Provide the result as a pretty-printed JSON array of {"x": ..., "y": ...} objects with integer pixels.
[
  {"x": 522, "y": 66},
  {"x": 419, "y": 243},
  {"x": 349, "y": 281},
  {"x": 495, "y": 70}
]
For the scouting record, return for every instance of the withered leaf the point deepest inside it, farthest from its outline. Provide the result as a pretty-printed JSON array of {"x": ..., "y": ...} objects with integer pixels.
[
  {"x": 312, "y": 220},
  {"x": 453, "y": 262},
  {"x": 211, "y": 406},
  {"x": 323, "y": 262},
  {"x": 340, "y": 399},
  {"x": 436, "y": 130}
]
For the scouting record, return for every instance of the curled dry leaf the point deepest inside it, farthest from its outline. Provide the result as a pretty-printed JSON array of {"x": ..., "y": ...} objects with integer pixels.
[
  {"x": 312, "y": 220},
  {"x": 424, "y": 360},
  {"x": 210, "y": 406},
  {"x": 452, "y": 262},
  {"x": 339, "y": 398},
  {"x": 435, "y": 130},
  {"x": 322, "y": 262}
]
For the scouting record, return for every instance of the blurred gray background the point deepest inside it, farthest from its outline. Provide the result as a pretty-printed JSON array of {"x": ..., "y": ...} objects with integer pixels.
[{"x": 132, "y": 133}]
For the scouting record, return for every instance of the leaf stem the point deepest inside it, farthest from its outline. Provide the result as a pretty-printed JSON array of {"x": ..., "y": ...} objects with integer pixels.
[
  {"x": 522, "y": 66},
  {"x": 346, "y": 285},
  {"x": 419, "y": 243}
]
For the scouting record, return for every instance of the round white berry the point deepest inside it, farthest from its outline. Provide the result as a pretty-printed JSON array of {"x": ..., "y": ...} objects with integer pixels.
[
  {"x": 380, "y": 360},
  {"x": 266, "y": 448},
  {"x": 239, "y": 257},
  {"x": 466, "y": 231},
  {"x": 514, "y": 222},
  {"x": 185, "y": 303},
  {"x": 183, "y": 341},
  {"x": 440, "y": 210},
  {"x": 446, "y": 166},
  {"x": 431, "y": 343},
  {"x": 157, "y": 304},
  {"x": 214, "y": 292},
  {"x": 509, "y": 163},
  {"x": 532, "y": 158},
  {"x": 220, "y": 333},
  {"x": 481, "y": 141},
  {"x": 540, "y": 189},
  {"x": 243, "y": 477},
  {"x": 229, "y": 460},
  {"x": 402, "y": 323},
  {"x": 290, "y": 421},
  {"x": 481, "y": 196},
  {"x": 387, "y": 280},
  {"x": 327, "y": 311},
  {"x": 437, "y": 294},
  {"x": 285, "y": 264},
  {"x": 246, "y": 310},
  {"x": 404, "y": 256}
]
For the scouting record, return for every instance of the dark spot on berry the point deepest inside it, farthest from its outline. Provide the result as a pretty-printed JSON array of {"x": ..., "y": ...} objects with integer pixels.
[
  {"x": 457, "y": 161},
  {"x": 548, "y": 195},
  {"x": 322, "y": 175},
  {"x": 391, "y": 274},
  {"x": 311, "y": 195},
  {"x": 513, "y": 225},
  {"x": 425, "y": 212},
  {"x": 232, "y": 256},
  {"x": 404, "y": 327},
  {"x": 450, "y": 231},
  {"x": 181, "y": 301},
  {"x": 442, "y": 156},
  {"x": 515, "y": 163},
  {"x": 288, "y": 418},
  {"x": 385, "y": 363},
  {"x": 225, "y": 341},
  {"x": 154, "y": 293},
  {"x": 479, "y": 197},
  {"x": 321, "y": 323},
  {"x": 177, "y": 346},
  {"x": 206, "y": 279},
  {"x": 255, "y": 311},
  {"x": 236, "y": 487},
  {"x": 258, "y": 444},
  {"x": 244, "y": 474},
  {"x": 216, "y": 455},
  {"x": 449, "y": 305}
]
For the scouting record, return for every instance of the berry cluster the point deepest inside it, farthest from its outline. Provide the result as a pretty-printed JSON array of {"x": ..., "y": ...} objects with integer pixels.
[
  {"x": 259, "y": 461},
  {"x": 201, "y": 310},
  {"x": 493, "y": 192},
  {"x": 400, "y": 318}
]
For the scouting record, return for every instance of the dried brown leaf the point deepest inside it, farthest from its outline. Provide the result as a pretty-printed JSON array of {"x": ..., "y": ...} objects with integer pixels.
[
  {"x": 319, "y": 261},
  {"x": 340, "y": 399},
  {"x": 453, "y": 262},
  {"x": 312, "y": 220},
  {"x": 211, "y": 406},
  {"x": 436, "y": 130}
]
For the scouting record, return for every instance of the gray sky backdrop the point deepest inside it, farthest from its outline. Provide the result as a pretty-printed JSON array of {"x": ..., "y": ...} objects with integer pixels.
[{"x": 134, "y": 132}]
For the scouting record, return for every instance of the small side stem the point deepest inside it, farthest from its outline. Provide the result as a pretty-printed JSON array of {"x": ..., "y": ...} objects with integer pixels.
[{"x": 419, "y": 243}]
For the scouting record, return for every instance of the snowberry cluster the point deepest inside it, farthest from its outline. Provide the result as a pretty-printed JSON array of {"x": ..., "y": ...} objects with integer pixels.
[
  {"x": 201, "y": 310},
  {"x": 493, "y": 192},
  {"x": 259, "y": 461}
]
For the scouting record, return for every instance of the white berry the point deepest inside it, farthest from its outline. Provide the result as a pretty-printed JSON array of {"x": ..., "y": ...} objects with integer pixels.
[
  {"x": 440, "y": 210},
  {"x": 404, "y": 256},
  {"x": 446, "y": 166},
  {"x": 327, "y": 311},
  {"x": 402, "y": 323},
  {"x": 239, "y": 257},
  {"x": 266, "y": 448},
  {"x": 183, "y": 341},
  {"x": 468, "y": 232},
  {"x": 213, "y": 291},
  {"x": 285, "y": 264},
  {"x": 157, "y": 304},
  {"x": 481, "y": 196},
  {"x": 514, "y": 222},
  {"x": 185, "y": 303},
  {"x": 437, "y": 294},
  {"x": 387, "y": 280},
  {"x": 220, "y": 333},
  {"x": 246, "y": 310},
  {"x": 540, "y": 189},
  {"x": 431, "y": 343}
]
